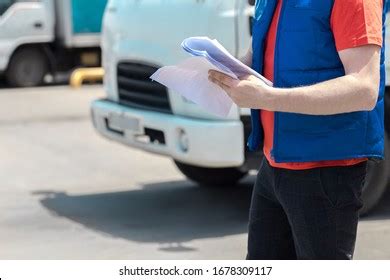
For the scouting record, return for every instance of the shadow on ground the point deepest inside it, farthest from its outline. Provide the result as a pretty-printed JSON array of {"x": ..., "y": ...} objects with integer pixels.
[{"x": 169, "y": 212}]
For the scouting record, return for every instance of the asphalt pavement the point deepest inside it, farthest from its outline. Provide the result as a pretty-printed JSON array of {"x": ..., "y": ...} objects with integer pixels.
[{"x": 67, "y": 193}]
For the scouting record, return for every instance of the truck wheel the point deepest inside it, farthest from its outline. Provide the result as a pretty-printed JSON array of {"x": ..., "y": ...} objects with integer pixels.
[
  {"x": 27, "y": 67},
  {"x": 376, "y": 181},
  {"x": 211, "y": 177}
]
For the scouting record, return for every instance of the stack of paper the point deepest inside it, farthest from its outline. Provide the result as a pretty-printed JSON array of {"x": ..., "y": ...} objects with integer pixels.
[
  {"x": 215, "y": 53},
  {"x": 190, "y": 77}
]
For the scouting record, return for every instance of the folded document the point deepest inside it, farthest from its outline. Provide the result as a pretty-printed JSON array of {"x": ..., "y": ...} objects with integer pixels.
[{"x": 190, "y": 77}]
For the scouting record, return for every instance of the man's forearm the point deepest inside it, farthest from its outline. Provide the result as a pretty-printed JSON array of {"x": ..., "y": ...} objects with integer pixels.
[
  {"x": 342, "y": 95},
  {"x": 356, "y": 91}
]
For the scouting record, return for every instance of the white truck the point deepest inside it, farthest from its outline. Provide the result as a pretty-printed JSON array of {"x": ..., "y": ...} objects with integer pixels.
[
  {"x": 39, "y": 37},
  {"x": 141, "y": 36}
]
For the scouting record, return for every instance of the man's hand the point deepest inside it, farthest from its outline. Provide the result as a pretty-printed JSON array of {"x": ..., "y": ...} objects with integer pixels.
[{"x": 249, "y": 92}]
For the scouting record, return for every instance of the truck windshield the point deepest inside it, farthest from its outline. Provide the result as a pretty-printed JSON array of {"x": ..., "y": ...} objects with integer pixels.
[{"x": 5, "y": 4}]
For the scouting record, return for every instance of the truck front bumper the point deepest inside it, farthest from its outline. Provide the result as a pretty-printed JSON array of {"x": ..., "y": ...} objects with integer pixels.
[{"x": 205, "y": 143}]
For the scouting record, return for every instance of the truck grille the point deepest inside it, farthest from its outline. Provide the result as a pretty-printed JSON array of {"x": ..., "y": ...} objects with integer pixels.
[{"x": 138, "y": 91}]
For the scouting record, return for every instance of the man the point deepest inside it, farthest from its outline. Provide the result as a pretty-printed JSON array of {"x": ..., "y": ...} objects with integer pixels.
[{"x": 320, "y": 123}]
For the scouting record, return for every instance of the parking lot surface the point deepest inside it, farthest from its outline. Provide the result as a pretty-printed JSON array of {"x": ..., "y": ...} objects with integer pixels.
[{"x": 67, "y": 193}]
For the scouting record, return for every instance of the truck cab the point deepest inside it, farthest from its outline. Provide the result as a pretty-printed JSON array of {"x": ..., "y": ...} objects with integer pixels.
[{"x": 141, "y": 36}]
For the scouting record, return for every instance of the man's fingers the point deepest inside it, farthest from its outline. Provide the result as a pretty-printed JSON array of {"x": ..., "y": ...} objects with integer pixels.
[
  {"x": 216, "y": 81},
  {"x": 250, "y": 78},
  {"x": 221, "y": 85},
  {"x": 226, "y": 89},
  {"x": 221, "y": 78}
]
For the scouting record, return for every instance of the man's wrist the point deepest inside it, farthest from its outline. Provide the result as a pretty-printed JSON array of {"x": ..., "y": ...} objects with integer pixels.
[{"x": 267, "y": 98}]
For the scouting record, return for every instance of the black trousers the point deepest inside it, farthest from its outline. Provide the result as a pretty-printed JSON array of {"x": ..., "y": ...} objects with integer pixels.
[{"x": 306, "y": 214}]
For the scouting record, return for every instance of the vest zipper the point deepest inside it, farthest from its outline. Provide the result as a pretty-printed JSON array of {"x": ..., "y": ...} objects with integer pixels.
[{"x": 276, "y": 65}]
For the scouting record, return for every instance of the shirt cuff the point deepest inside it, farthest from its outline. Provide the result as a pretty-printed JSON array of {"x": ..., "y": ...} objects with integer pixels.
[{"x": 358, "y": 42}]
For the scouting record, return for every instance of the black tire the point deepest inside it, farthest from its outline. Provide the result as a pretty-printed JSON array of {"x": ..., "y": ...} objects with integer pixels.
[
  {"x": 27, "y": 67},
  {"x": 211, "y": 177},
  {"x": 376, "y": 182}
]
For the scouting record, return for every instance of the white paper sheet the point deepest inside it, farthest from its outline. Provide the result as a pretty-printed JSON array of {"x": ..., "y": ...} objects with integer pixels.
[{"x": 190, "y": 79}]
